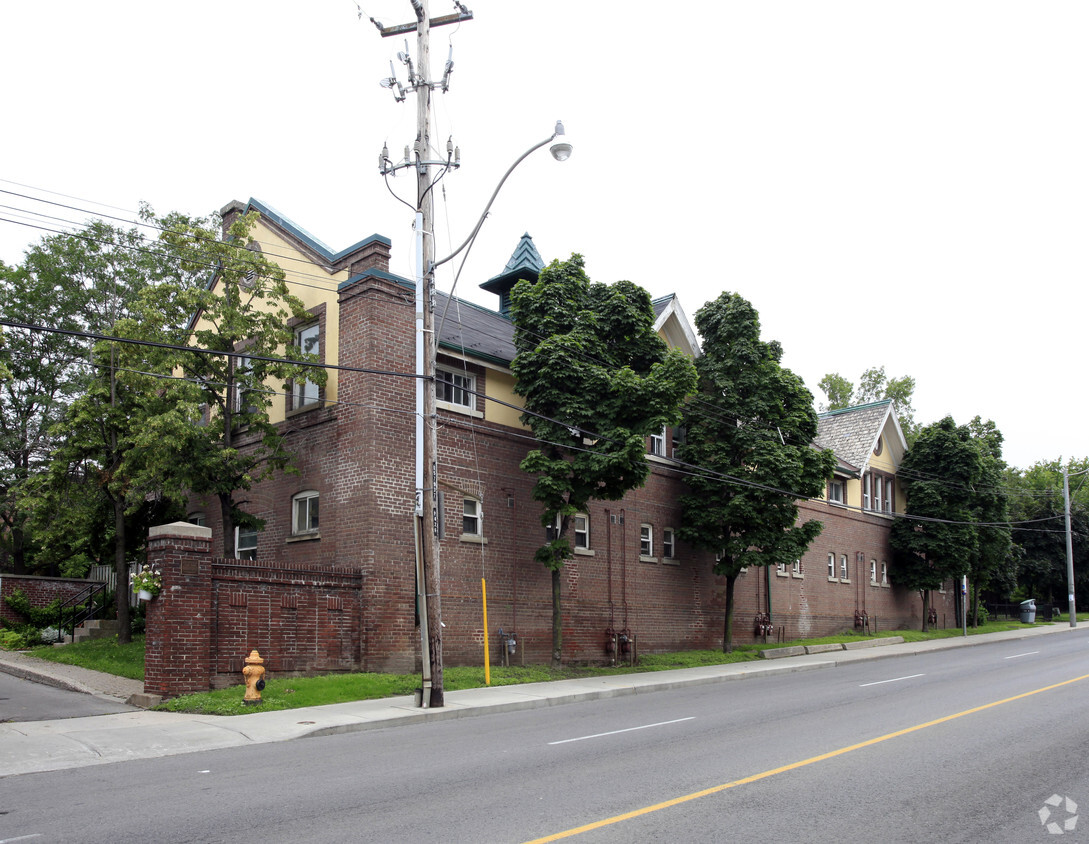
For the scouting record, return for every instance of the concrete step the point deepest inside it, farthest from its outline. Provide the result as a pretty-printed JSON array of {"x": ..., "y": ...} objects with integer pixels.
[{"x": 96, "y": 629}]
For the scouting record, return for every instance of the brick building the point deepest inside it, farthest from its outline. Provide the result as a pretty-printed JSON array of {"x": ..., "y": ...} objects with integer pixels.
[{"x": 354, "y": 441}]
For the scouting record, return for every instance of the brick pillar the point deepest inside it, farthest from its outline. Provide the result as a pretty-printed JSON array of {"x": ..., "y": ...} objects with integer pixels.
[{"x": 178, "y": 651}]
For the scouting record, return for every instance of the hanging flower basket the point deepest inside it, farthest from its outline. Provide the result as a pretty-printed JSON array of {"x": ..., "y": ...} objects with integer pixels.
[{"x": 146, "y": 582}]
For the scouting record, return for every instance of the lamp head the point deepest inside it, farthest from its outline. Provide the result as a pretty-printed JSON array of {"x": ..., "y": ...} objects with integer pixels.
[{"x": 561, "y": 150}]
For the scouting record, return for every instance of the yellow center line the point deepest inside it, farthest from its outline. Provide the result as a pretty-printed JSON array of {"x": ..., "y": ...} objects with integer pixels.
[{"x": 676, "y": 801}]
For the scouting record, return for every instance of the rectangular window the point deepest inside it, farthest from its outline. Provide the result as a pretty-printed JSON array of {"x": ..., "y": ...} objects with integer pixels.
[
  {"x": 245, "y": 543},
  {"x": 646, "y": 541},
  {"x": 582, "y": 530},
  {"x": 879, "y": 492},
  {"x": 679, "y": 434},
  {"x": 873, "y": 571},
  {"x": 831, "y": 566},
  {"x": 884, "y": 574},
  {"x": 471, "y": 517},
  {"x": 658, "y": 443},
  {"x": 835, "y": 492},
  {"x": 308, "y": 341},
  {"x": 241, "y": 400},
  {"x": 669, "y": 545},
  {"x": 888, "y": 495},
  {"x": 305, "y": 518},
  {"x": 455, "y": 388},
  {"x": 781, "y": 569},
  {"x": 198, "y": 519},
  {"x": 844, "y": 570},
  {"x": 797, "y": 568},
  {"x": 866, "y": 491}
]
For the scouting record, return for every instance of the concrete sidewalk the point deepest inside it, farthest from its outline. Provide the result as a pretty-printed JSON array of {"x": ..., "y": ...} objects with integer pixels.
[{"x": 36, "y": 746}]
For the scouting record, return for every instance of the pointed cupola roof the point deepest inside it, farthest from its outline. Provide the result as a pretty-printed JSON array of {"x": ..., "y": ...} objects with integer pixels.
[{"x": 524, "y": 263}]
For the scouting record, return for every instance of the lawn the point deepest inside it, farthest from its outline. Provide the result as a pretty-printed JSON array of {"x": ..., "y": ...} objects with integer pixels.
[{"x": 296, "y": 692}]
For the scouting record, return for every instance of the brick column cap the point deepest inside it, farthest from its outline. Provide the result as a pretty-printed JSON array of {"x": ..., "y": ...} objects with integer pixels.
[{"x": 181, "y": 529}]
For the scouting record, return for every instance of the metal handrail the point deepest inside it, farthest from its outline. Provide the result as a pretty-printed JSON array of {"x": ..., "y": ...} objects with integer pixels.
[{"x": 75, "y": 610}]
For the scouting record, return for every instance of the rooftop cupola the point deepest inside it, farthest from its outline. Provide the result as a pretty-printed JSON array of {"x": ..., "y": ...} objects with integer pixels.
[{"x": 525, "y": 263}]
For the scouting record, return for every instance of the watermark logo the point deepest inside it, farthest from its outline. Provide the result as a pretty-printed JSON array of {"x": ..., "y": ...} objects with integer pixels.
[{"x": 1059, "y": 814}]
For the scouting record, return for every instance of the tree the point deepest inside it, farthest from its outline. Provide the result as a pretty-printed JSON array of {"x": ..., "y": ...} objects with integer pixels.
[
  {"x": 1037, "y": 510},
  {"x": 939, "y": 539},
  {"x": 74, "y": 282},
  {"x": 597, "y": 380},
  {"x": 232, "y": 307},
  {"x": 873, "y": 386},
  {"x": 750, "y": 432},
  {"x": 991, "y": 510}
]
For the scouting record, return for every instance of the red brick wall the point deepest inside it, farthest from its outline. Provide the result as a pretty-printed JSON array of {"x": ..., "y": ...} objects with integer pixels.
[
  {"x": 40, "y": 591},
  {"x": 303, "y": 618}
]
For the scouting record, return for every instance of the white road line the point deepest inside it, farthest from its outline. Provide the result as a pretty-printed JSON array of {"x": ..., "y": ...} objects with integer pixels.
[
  {"x": 1015, "y": 656},
  {"x": 616, "y": 732},
  {"x": 20, "y": 838},
  {"x": 893, "y": 680}
]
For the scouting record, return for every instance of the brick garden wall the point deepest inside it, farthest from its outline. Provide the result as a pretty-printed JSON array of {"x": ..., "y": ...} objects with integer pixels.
[
  {"x": 40, "y": 591},
  {"x": 304, "y": 618}
]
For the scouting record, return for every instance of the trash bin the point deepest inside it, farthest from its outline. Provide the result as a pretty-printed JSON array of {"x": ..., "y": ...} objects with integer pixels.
[{"x": 1028, "y": 611}]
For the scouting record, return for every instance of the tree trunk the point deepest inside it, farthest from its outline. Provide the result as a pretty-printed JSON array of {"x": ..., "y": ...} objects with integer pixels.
[
  {"x": 926, "y": 610},
  {"x": 728, "y": 624},
  {"x": 225, "y": 502},
  {"x": 557, "y": 618},
  {"x": 124, "y": 626}
]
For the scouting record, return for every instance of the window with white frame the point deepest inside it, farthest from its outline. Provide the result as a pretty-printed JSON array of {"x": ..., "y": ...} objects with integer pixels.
[
  {"x": 878, "y": 492},
  {"x": 245, "y": 543},
  {"x": 582, "y": 530},
  {"x": 646, "y": 541},
  {"x": 658, "y": 443},
  {"x": 241, "y": 401},
  {"x": 669, "y": 544},
  {"x": 796, "y": 569},
  {"x": 471, "y": 517},
  {"x": 873, "y": 571},
  {"x": 304, "y": 513},
  {"x": 888, "y": 495},
  {"x": 456, "y": 388},
  {"x": 831, "y": 566},
  {"x": 835, "y": 491},
  {"x": 307, "y": 341},
  {"x": 844, "y": 568},
  {"x": 866, "y": 485},
  {"x": 884, "y": 574},
  {"x": 780, "y": 569},
  {"x": 198, "y": 519}
]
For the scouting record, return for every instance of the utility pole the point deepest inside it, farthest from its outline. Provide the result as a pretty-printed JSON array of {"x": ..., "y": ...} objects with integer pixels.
[
  {"x": 1069, "y": 550},
  {"x": 427, "y": 486}
]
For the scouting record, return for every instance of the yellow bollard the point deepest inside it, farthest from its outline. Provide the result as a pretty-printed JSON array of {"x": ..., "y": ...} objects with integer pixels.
[{"x": 254, "y": 673}]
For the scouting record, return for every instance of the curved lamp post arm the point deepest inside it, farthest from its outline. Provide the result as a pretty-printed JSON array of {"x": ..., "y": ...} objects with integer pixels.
[{"x": 565, "y": 151}]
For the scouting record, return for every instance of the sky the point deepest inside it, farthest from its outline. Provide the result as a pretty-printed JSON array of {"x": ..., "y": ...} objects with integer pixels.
[{"x": 902, "y": 185}]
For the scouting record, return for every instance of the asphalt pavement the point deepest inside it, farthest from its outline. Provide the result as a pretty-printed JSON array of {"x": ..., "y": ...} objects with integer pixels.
[{"x": 51, "y": 745}]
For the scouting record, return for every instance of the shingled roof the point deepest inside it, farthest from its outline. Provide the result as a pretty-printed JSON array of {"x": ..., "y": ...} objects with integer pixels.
[{"x": 852, "y": 432}]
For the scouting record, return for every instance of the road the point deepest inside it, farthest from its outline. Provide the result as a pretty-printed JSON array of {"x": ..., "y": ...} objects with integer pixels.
[
  {"x": 964, "y": 745},
  {"x": 23, "y": 700}
]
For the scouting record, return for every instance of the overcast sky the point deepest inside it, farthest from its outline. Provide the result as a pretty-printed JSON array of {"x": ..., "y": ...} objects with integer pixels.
[{"x": 891, "y": 184}]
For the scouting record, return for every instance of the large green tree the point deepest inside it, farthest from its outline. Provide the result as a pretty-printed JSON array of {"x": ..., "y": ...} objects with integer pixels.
[
  {"x": 938, "y": 539},
  {"x": 750, "y": 433},
  {"x": 79, "y": 282},
  {"x": 597, "y": 380},
  {"x": 994, "y": 563},
  {"x": 232, "y": 309}
]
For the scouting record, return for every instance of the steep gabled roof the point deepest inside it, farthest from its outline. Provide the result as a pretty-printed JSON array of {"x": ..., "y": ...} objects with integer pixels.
[{"x": 852, "y": 433}]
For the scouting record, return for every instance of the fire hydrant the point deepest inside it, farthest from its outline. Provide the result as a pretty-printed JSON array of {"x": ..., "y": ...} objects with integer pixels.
[{"x": 254, "y": 672}]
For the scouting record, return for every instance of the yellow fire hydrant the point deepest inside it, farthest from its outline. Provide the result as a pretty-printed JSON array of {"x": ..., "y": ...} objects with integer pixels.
[{"x": 254, "y": 673}]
